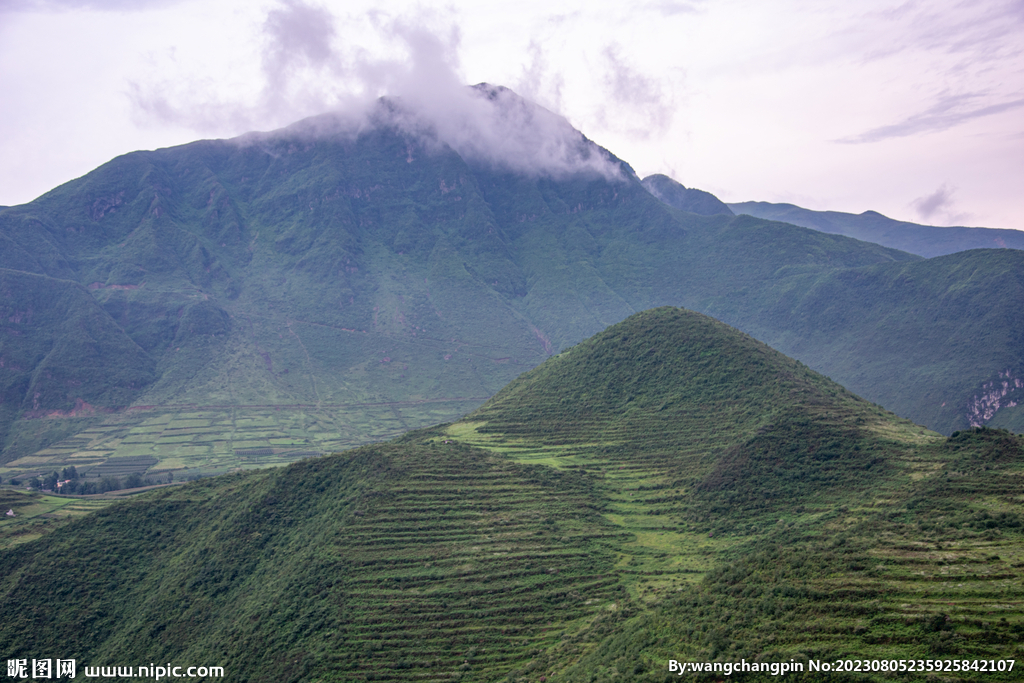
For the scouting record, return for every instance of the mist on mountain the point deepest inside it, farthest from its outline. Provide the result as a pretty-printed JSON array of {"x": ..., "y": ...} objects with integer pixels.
[
  {"x": 415, "y": 88},
  {"x": 484, "y": 124}
]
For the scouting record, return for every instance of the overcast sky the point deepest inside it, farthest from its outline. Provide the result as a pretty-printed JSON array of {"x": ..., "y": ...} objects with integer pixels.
[{"x": 913, "y": 109}]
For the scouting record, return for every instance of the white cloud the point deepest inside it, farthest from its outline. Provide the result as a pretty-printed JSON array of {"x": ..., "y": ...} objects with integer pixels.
[
  {"x": 947, "y": 112},
  {"x": 643, "y": 106},
  {"x": 89, "y": 5},
  {"x": 307, "y": 69}
]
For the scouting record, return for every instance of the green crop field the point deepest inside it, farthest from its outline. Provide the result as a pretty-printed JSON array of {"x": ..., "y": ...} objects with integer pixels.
[
  {"x": 192, "y": 442},
  {"x": 37, "y": 514}
]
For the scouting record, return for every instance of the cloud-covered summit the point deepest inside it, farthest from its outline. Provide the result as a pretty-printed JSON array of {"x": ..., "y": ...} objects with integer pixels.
[
  {"x": 306, "y": 70},
  {"x": 493, "y": 125},
  {"x": 485, "y": 124}
]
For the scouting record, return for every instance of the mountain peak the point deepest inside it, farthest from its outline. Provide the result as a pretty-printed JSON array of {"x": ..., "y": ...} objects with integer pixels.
[
  {"x": 683, "y": 198},
  {"x": 485, "y": 124},
  {"x": 665, "y": 366}
]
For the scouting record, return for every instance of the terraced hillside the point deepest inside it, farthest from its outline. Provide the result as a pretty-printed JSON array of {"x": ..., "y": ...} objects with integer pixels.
[
  {"x": 705, "y": 437},
  {"x": 926, "y": 577},
  {"x": 402, "y": 557},
  {"x": 670, "y": 489}
]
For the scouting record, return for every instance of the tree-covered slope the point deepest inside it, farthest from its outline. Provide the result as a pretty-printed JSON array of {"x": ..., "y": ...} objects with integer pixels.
[
  {"x": 852, "y": 322},
  {"x": 670, "y": 489},
  {"x": 61, "y": 354},
  {"x": 871, "y": 226}
]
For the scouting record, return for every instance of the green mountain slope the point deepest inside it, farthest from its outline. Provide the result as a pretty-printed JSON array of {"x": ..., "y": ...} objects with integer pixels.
[
  {"x": 312, "y": 289},
  {"x": 851, "y": 321},
  {"x": 679, "y": 401},
  {"x": 395, "y": 559},
  {"x": 668, "y": 489},
  {"x": 871, "y": 226},
  {"x": 61, "y": 356},
  {"x": 920, "y": 582}
]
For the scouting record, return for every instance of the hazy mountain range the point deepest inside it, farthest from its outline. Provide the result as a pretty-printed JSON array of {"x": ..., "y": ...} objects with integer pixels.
[
  {"x": 871, "y": 226},
  {"x": 634, "y": 482},
  {"x": 337, "y": 263},
  {"x": 316, "y": 266}
]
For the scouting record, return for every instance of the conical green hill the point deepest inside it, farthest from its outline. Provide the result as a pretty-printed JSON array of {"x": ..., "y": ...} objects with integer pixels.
[
  {"x": 767, "y": 514},
  {"x": 678, "y": 400},
  {"x": 666, "y": 365}
]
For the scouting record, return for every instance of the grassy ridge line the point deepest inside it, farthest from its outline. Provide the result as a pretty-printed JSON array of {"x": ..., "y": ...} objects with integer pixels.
[{"x": 926, "y": 240}]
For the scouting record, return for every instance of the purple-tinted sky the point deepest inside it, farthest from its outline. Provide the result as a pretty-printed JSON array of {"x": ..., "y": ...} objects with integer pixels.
[{"x": 914, "y": 109}]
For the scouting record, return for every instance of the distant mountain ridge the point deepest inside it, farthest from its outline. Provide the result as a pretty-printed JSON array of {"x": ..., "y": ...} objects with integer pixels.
[
  {"x": 871, "y": 226},
  {"x": 684, "y": 198}
]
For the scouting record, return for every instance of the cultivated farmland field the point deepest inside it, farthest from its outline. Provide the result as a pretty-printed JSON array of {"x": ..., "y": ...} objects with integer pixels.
[
  {"x": 189, "y": 442},
  {"x": 36, "y": 514}
]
